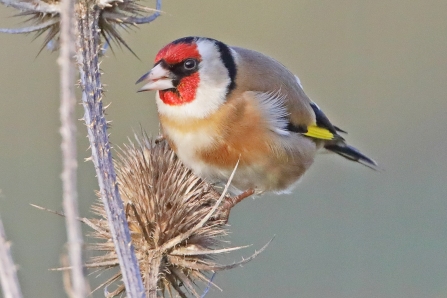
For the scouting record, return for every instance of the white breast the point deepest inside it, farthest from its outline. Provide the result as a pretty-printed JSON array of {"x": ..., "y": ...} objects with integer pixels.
[{"x": 189, "y": 144}]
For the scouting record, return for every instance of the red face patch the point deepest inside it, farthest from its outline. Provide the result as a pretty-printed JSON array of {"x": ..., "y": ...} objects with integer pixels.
[
  {"x": 176, "y": 53},
  {"x": 186, "y": 91}
]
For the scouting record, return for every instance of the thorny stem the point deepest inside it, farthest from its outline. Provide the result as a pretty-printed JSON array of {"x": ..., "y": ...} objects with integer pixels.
[
  {"x": 87, "y": 57},
  {"x": 78, "y": 287},
  {"x": 151, "y": 287},
  {"x": 8, "y": 276}
]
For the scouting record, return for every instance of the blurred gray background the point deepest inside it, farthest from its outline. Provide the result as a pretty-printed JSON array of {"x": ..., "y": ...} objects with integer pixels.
[{"x": 377, "y": 68}]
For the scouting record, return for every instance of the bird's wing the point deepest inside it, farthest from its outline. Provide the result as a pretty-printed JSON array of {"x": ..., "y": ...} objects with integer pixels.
[
  {"x": 280, "y": 92},
  {"x": 261, "y": 74},
  {"x": 274, "y": 109},
  {"x": 322, "y": 128}
]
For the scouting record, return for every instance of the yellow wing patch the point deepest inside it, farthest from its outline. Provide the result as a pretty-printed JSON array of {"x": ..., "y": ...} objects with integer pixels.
[{"x": 321, "y": 133}]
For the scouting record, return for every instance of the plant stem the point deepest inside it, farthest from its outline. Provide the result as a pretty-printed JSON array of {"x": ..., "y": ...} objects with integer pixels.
[
  {"x": 87, "y": 57},
  {"x": 152, "y": 281},
  {"x": 8, "y": 276},
  {"x": 78, "y": 287}
]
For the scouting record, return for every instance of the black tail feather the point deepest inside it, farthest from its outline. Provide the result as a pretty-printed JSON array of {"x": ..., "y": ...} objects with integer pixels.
[{"x": 352, "y": 153}]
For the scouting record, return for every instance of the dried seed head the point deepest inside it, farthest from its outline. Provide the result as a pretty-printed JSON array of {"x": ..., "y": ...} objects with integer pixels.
[
  {"x": 165, "y": 204},
  {"x": 43, "y": 17}
]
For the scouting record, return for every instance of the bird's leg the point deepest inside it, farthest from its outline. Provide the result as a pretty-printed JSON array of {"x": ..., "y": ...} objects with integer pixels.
[{"x": 230, "y": 202}]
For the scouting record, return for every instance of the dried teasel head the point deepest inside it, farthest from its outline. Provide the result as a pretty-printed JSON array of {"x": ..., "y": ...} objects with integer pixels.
[
  {"x": 43, "y": 17},
  {"x": 177, "y": 222}
]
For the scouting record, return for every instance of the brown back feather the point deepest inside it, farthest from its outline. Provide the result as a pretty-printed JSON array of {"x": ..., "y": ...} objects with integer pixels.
[{"x": 258, "y": 72}]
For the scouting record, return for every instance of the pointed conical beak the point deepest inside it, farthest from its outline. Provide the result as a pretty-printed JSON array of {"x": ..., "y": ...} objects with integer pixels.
[{"x": 158, "y": 78}]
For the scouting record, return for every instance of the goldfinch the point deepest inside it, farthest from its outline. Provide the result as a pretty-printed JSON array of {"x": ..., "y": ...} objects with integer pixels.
[{"x": 219, "y": 105}]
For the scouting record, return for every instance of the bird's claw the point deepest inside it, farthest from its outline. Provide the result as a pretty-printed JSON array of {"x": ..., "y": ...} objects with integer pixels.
[{"x": 230, "y": 202}]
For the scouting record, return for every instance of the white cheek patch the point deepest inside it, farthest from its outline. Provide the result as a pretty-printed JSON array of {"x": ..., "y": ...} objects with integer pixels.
[{"x": 212, "y": 90}]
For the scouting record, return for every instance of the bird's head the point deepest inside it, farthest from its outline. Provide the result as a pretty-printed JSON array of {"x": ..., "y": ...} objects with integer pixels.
[{"x": 193, "y": 76}]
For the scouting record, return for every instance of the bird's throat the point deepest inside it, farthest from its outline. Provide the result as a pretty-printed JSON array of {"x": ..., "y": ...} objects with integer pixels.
[{"x": 170, "y": 97}]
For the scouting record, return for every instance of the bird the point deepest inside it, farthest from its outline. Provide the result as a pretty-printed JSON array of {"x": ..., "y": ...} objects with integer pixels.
[{"x": 220, "y": 105}]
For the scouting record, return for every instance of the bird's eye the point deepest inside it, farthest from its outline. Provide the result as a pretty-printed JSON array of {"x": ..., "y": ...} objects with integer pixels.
[{"x": 190, "y": 64}]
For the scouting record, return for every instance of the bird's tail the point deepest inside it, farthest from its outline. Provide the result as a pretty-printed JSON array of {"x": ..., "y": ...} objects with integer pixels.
[{"x": 352, "y": 153}]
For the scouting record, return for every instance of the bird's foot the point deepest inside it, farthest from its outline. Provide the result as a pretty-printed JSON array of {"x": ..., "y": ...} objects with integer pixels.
[{"x": 230, "y": 202}]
